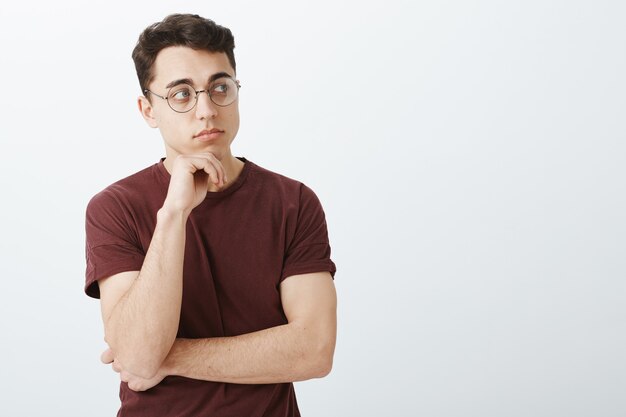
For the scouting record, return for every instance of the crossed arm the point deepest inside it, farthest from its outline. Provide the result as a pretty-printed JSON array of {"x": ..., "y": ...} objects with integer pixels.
[
  {"x": 141, "y": 309},
  {"x": 300, "y": 350}
]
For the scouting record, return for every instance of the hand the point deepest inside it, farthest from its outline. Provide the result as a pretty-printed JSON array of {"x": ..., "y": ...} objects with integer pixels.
[
  {"x": 134, "y": 382},
  {"x": 190, "y": 179}
]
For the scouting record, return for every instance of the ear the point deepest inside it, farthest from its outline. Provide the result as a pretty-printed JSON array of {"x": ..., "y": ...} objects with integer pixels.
[{"x": 146, "y": 110}]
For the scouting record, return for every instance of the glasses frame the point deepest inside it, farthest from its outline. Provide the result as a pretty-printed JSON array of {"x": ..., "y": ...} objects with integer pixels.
[{"x": 206, "y": 90}]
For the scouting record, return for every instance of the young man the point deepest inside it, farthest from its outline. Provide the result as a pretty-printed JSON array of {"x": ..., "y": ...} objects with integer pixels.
[{"x": 214, "y": 274}]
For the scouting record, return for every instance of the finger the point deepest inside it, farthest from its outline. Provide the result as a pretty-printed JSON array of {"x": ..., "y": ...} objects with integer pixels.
[
  {"x": 221, "y": 172},
  {"x": 216, "y": 165},
  {"x": 124, "y": 376},
  {"x": 137, "y": 385},
  {"x": 205, "y": 163},
  {"x": 107, "y": 356},
  {"x": 213, "y": 173}
]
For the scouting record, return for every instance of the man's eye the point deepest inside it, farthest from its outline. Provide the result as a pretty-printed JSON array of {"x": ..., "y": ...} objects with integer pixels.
[
  {"x": 219, "y": 89},
  {"x": 181, "y": 95}
]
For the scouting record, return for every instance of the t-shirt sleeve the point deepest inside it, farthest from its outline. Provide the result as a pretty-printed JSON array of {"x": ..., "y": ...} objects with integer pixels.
[
  {"x": 308, "y": 249},
  {"x": 112, "y": 245}
]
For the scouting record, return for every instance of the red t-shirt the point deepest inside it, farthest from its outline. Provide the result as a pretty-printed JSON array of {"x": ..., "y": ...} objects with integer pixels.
[{"x": 240, "y": 244}]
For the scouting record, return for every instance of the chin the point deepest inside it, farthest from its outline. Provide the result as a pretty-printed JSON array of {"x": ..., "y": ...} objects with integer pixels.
[{"x": 218, "y": 151}]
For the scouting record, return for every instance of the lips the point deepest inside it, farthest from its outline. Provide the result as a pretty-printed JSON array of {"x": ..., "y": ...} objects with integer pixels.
[
  {"x": 206, "y": 132},
  {"x": 209, "y": 135}
]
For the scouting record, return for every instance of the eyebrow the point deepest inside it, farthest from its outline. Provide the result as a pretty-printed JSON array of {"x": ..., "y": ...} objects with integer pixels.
[
  {"x": 190, "y": 81},
  {"x": 180, "y": 81}
]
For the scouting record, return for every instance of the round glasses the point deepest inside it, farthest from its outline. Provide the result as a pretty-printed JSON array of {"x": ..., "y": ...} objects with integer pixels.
[{"x": 183, "y": 97}]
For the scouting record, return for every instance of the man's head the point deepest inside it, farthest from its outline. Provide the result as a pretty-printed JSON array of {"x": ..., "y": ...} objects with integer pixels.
[
  {"x": 186, "y": 69},
  {"x": 188, "y": 30}
]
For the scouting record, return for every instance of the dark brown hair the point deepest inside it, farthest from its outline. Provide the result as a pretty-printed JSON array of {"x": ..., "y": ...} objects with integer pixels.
[{"x": 188, "y": 30}]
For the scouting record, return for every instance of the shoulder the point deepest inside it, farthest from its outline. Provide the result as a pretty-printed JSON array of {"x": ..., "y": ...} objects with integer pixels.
[
  {"x": 279, "y": 183},
  {"x": 127, "y": 191},
  {"x": 295, "y": 201}
]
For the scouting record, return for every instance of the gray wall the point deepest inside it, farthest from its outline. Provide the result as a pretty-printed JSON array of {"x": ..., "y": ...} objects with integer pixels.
[{"x": 470, "y": 157}]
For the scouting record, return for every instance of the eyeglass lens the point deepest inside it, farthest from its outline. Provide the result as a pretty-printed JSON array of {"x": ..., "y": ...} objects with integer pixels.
[{"x": 222, "y": 92}]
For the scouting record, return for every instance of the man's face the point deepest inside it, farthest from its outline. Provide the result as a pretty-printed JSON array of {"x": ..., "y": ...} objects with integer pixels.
[{"x": 181, "y": 131}]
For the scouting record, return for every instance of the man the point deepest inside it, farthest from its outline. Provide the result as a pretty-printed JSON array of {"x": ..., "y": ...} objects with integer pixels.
[{"x": 214, "y": 274}]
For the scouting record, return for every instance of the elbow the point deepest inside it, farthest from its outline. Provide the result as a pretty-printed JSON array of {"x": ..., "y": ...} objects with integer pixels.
[
  {"x": 322, "y": 369},
  {"x": 145, "y": 368},
  {"x": 323, "y": 363},
  {"x": 139, "y": 364},
  {"x": 144, "y": 363},
  {"x": 319, "y": 361}
]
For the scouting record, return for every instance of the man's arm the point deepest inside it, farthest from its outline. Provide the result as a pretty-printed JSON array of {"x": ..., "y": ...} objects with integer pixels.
[
  {"x": 300, "y": 350},
  {"x": 141, "y": 310}
]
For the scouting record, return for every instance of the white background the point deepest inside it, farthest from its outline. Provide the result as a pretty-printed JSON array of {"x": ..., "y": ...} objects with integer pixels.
[{"x": 470, "y": 157}]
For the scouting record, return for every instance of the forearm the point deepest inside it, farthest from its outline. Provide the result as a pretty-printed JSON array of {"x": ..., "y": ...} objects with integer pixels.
[
  {"x": 143, "y": 325},
  {"x": 286, "y": 353}
]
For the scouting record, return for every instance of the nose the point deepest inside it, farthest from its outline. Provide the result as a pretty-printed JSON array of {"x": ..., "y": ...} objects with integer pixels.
[{"x": 205, "y": 108}]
